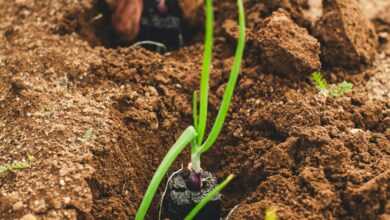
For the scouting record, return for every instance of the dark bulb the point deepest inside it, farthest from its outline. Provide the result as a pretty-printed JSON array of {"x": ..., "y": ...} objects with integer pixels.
[{"x": 194, "y": 181}]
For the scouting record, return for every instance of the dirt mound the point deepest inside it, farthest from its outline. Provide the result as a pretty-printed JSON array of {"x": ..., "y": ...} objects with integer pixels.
[
  {"x": 93, "y": 123},
  {"x": 294, "y": 7},
  {"x": 347, "y": 37},
  {"x": 280, "y": 39},
  {"x": 321, "y": 167}
]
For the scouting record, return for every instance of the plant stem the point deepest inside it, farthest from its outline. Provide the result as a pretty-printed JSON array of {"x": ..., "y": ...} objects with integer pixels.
[
  {"x": 227, "y": 97},
  {"x": 205, "y": 75},
  {"x": 195, "y": 116},
  {"x": 195, "y": 161},
  {"x": 211, "y": 195},
  {"x": 185, "y": 138}
]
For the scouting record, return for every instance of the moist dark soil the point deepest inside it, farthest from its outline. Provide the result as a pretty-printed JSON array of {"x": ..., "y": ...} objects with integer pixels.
[
  {"x": 185, "y": 189},
  {"x": 98, "y": 120}
]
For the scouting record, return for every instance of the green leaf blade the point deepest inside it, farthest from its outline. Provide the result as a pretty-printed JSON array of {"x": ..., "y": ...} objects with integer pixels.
[
  {"x": 228, "y": 95},
  {"x": 341, "y": 89},
  {"x": 211, "y": 195},
  {"x": 186, "y": 138},
  {"x": 206, "y": 69},
  {"x": 319, "y": 81}
]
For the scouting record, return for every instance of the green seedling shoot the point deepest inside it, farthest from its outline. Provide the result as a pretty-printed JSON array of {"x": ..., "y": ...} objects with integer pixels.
[
  {"x": 16, "y": 165},
  {"x": 195, "y": 134},
  {"x": 333, "y": 90},
  {"x": 319, "y": 81}
]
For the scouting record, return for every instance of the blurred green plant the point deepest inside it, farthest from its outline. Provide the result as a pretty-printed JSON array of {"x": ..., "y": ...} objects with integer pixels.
[
  {"x": 333, "y": 90},
  {"x": 16, "y": 165}
]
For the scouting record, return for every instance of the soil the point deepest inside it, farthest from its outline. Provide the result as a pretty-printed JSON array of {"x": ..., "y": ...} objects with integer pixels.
[
  {"x": 347, "y": 36},
  {"x": 98, "y": 118}
]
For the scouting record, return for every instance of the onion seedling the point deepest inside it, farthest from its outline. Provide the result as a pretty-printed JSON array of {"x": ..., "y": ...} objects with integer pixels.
[{"x": 194, "y": 182}]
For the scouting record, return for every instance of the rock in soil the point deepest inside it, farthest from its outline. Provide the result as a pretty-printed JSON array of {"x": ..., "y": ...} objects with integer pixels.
[
  {"x": 285, "y": 47},
  {"x": 360, "y": 198},
  {"x": 294, "y": 7},
  {"x": 347, "y": 37}
]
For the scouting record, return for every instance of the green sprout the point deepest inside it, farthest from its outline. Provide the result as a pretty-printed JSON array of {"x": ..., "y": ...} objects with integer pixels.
[
  {"x": 205, "y": 75},
  {"x": 188, "y": 135},
  {"x": 16, "y": 165},
  {"x": 319, "y": 81},
  {"x": 340, "y": 89},
  {"x": 330, "y": 90},
  {"x": 201, "y": 147},
  {"x": 195, "y": 134}
]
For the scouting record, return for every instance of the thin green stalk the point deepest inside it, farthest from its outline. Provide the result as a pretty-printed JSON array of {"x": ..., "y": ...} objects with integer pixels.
[
  {"x": 211, "y": 195},
  {"x": 205, "y": 75},
  {"x": 185, "y": 138},
  {"x": 227, "y": 97},
  {"x": 195, "y": 116}
]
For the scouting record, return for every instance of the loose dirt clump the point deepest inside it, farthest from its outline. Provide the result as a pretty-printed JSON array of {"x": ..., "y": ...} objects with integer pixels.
[
  {"x": 285, "y": 47},
  {"x": 309, "y": 172},
  {"x": 382, "y": 24},
  {"x": 277, "y": 38},
  {"x": 347, "y": 37},
  {"x": 383, "y": 18},
  {"x": 294, "y": 7},
  {"x": 360, "y": 198}
]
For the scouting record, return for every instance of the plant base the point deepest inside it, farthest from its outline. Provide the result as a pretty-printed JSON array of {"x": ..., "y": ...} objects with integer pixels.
[{"x": 179, "y": 199}]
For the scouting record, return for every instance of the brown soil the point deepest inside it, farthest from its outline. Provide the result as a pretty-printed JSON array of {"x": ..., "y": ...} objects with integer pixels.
[
  {"x": 98, "y": 120},
  {"x": 348, "y": 39}
]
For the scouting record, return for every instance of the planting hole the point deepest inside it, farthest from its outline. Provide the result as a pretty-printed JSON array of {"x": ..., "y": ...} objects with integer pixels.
[{"x": 161, "y": 27}]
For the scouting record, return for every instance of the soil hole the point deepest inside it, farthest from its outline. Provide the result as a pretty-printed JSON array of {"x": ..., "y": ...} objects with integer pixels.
[{"x": 157, "y": 32}]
